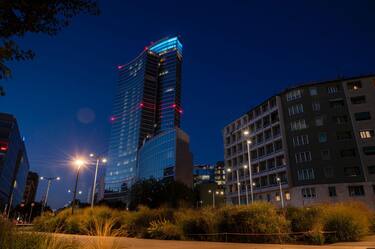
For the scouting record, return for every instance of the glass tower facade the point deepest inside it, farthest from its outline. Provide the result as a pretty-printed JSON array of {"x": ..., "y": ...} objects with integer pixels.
[{"x": 147, "y": 104}]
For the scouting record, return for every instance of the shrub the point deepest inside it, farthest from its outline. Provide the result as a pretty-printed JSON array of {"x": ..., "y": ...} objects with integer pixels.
[
  {"x": 6, "y": 231},
  {"x": 349, "y": 221},
  {"x": 193, "y": 222},
  {"x": 258, "y": 218},
  {"x": 307, "y": 220},
  {"x": 164, "y": 229},
  {"x": 136, "y": 223}
]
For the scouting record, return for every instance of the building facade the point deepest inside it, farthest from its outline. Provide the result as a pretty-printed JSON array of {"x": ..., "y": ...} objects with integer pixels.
[
  {"x": 316, "y": 140},
  {"x": 31, "y": 187},
  {"x": 146, "y": 113},
  {"x": 14, "y": 164}
]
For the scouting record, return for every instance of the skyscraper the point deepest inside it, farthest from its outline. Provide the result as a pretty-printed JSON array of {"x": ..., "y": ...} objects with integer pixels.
[{"x": 147, "y": 106}]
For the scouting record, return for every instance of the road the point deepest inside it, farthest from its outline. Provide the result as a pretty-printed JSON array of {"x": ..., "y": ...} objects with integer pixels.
[{"x": 91, "y": 242}]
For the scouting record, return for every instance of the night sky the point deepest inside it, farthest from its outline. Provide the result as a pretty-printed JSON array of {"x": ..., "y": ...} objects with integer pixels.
[{"x": 236, "y": 54}]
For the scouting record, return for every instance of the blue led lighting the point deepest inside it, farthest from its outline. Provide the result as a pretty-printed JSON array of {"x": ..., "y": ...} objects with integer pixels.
[{"x": 166, "y": 45}]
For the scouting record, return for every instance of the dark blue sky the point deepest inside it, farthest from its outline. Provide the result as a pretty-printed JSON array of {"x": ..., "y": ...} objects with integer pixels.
[{"x": 236, "y": 53}]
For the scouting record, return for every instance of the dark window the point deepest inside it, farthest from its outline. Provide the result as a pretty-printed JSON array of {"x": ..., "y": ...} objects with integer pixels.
[
  {"x": 354, "y": 85},
  {"x": 278, "y": 145},
  {"x": 359, "y": 116},
  {"x": 371, "y": 169},
  {"x": 356, "y": 190},
  {"x": 336, "y": 103},
  {"x": 373, "y": 189},
  {"x": 358, "y": 100},
  {"x": 325, "y": 155},
  {"x": 340, "y": 119},
  {"x": 328, "y": 172},
  {"x": 344, "y": 135},
  {"x": 347, "y": 153},
  {"x": 352, "y": 171},
  {"x": 369, "y": 150},
  {"x": 332, "y": 191}
]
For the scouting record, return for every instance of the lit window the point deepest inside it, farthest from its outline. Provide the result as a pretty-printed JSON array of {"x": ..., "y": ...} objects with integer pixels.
[
  {"x": 366, "y": 134},
  {"x": 313, "y": 91},
  {"x": 354, "y": 85},
  {"x": 322, "y": 137},
  {"x": 316, "y": 106},
  {"x": 332, "y": 89},
  {"x": 287, "y": 196}
]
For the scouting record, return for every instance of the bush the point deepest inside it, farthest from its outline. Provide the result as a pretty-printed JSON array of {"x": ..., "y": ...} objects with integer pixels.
[
  {"x": 164, "y": 229},
  {"x": 191, "y": 223},
  {"x": 260, "y": 218},
  {"x": 136, "y": 223},
  {"x": 307, "y": 220},
  {"x": 348, "y": 221}
]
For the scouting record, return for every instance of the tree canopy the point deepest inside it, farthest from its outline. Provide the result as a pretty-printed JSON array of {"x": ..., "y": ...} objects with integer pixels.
[
  {"x": 19, "y": 17},
  {"x": 153, "y": 194}
]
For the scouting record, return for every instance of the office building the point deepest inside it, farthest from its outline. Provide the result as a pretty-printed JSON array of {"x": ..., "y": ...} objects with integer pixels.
[
  {"x": 146, "y": 120},
  {"x": 14, "y": 164},
  {"x": 316, "y": 140},
  {"x": 31, "y": 187}
]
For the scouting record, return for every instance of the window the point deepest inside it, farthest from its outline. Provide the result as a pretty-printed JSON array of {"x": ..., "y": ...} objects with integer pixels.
[
  {"x": 306, "y": 174},
  {"x": 316, "y": 106},
  {"x": 344, "y": 135},
  {"x": 322, "y": 137},
  {"x": 358, "y": 100},
  {"x": 359, "y": 116},
  {"x": 302, "y": 156},
  {"x": 342, "y": 119},
  {"x": 366, "y": 134},
  {"x": 278, "y": 145},
  {"x": 298, "y": 125},
  {"x": 325, "y": 155},
  {"x": 332, "y": 191},
  {"x": 369, "y": 150},
  {"x": 287, "y": 195},
  {"x": 354, "y": 85},
  {"x": 332, "y": 89},
  {"x": 300, "y": 140},
  {"x": 347, "y": 153},
  {"x": 292, "y": 95},
  {"x": 356, "y": 190},
  {"x": 371, "y": 169},
  {"x": 295, "y": 109},
  {"x": 313, "y": 91},
  {"x": 319, "y": 121},
  {"x": 352, "y": 171},
  {"x": 336, "y": 103},
  {"x": 308, "y": 192},
  {"x": 328, "y": 172}
]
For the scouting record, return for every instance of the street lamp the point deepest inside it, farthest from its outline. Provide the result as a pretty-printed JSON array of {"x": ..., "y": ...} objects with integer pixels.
[
  {"x": 281, "y": 192},
  {"x": 49, "y": 179},
  {"x": 248, "y": 142},
  {"x": 247, "y": 192},
  {"x": 98, "y": 159},
  {"x": 79, "y": 162},
  {"x": 213, "y": 195},
  {"x": 31, "y": 211},
  {"x": 238, "y": 185}
]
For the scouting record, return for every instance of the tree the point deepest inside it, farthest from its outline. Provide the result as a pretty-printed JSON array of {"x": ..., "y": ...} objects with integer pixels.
[
  {"x": 19, "y": 17},
  {"x": 154, "y": 193}
]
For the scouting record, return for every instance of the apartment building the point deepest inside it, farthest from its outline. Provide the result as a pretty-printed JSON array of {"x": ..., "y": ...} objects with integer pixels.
[{"x": 315, "y": 140}]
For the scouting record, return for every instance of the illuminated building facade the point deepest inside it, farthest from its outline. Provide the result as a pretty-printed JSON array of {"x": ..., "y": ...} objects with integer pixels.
[{"x": 147, "y": 107}]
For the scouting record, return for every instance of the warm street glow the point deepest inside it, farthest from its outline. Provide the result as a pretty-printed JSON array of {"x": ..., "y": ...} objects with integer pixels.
[
  {"x": 248, "y": 141},
  {"x": 58, "y": 178},
  {"x": 104, "y": 160},
  {"x": 246, "y": 133},
  {"x": 229, "y": 170},
  {"x": 79, "y": 162}
]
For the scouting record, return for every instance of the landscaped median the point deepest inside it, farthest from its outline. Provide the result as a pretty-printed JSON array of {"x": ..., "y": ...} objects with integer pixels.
[{"x": 260, "y": 222}]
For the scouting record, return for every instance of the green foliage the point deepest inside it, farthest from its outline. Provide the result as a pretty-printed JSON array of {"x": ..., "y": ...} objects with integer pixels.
[
  {"x": 153, "y": 194},
  {"x": 350, "y": 221},
  {"x": 260, "y": 217},
  {"x": 20, "y": 17},
  {"x": 346, "y": 221},
  {"x": 164, "y": 229}
]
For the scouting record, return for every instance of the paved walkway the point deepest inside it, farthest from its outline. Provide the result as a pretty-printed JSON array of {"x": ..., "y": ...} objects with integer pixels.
[{"x": 89, "y": 242}]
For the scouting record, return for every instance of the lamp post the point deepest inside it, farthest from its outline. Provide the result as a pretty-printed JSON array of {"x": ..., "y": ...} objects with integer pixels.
[
  {"x": 281, "y": 192},
  {"x": 213, "y": 196},
  {"x": 238, "y": 185},
  {"x": 98, "y": 159},
  {"x": 49, "y": 179},
  {"x": 31, "y": 211},
  {"x": 79, "y": 163},
  {"x": 247, "y": 192},
  {"x": 248, "y": 142}
]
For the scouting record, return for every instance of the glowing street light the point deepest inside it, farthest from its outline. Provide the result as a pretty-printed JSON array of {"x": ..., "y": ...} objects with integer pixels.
[
  {"x": 49, "y": 179},
  {"x": 281, "y": 192},
  {"x": 246, "y": 133},
  {"x": 103, "y": 160},
  {"x": 79, "y": 163}
]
